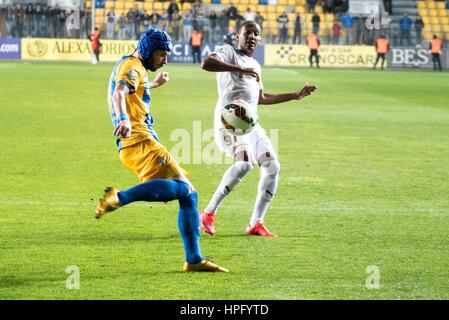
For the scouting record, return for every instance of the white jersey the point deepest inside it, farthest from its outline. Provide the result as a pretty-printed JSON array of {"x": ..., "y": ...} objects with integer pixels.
[
  {"x": 232, "y": 86},
  {"x": 235, "y": 85}
]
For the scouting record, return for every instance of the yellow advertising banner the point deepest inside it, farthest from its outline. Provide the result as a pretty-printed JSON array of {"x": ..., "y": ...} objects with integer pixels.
[
  {"x": 74, "y": 49},
  {"x": 330, "y": 56}
]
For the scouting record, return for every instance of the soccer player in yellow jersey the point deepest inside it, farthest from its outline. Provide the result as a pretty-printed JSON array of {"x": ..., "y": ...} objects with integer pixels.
[{"x": 162, "y": 179}]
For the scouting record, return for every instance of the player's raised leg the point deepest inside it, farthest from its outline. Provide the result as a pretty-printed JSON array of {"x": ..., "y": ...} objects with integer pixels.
[
  {"x": 164, "y": 190},
  {"x": 231, "y": 179}
]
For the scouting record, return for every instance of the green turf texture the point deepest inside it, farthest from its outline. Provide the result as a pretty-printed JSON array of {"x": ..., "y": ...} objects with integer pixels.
[{"x": 364, "y": 181}]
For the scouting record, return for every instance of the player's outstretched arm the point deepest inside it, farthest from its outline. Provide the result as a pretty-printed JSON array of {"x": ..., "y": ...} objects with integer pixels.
[
  {"x": 213, "y": 64},
  {"x": 159, "y": 80},
  {"x": 119, "y": 104},
  {"x": 269, "y": 98}
]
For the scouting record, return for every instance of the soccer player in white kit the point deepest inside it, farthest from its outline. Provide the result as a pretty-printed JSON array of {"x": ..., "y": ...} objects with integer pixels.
[{"x": 239, "y": 77}]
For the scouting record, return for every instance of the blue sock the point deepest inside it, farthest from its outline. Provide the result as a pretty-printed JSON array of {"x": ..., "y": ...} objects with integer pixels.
[
  {"x": 163, "y": 190},
  {"x": 159, "y": 190},
  {"x": 189, "y": 227}
]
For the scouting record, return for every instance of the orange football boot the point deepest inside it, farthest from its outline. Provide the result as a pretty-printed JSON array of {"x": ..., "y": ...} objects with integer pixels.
[
  {"x": 259, "y": 229},
  {"x": 207, "y": 222}
]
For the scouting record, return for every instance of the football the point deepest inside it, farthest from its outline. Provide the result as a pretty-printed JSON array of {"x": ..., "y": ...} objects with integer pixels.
[{"x": 239, "y": 117}]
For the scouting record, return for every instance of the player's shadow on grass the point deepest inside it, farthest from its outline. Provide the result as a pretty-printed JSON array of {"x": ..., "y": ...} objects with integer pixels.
[
  {"x": 91, "y": 238},
  {"x": 234, "y": 235},
  {"x": 13, "y": 282}
]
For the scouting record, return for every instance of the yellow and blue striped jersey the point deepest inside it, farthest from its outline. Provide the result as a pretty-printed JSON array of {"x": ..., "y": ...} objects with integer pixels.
[{"x": 130, "y": 72}]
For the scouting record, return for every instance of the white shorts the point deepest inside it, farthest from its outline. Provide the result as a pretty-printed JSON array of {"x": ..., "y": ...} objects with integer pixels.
[{"x": 256, "y": 143}]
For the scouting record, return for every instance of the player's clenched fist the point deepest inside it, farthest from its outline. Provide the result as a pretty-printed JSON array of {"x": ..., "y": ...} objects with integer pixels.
[
  {"x": 160, "y": 79},
  {"x": 123, "y": 129}
]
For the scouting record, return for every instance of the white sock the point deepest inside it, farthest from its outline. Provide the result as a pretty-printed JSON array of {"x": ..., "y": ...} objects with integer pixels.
[
  {"x": 230, "y": 180},
  {"x": 268, "y": 182}
]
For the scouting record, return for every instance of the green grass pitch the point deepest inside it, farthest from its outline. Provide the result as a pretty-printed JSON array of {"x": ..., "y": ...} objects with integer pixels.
[{"x": 364, "y": 182}]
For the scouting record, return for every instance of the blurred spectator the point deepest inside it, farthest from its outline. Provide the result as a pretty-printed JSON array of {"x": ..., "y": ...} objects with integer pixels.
[
  {"x": 249, "y": 15},
  {"x": 61, "y": 24},
  {"x": 199, "y": 21},
  {"x": 122, "y": 26},
  {"x": 187, "y": 25},
  {"x": 196, "y": 41},
  {"x": 328, "y": 6},
  {"x": 145, "y": 23},
  {"x": 360, "y": 27},
  {"x": 138, "y": 13},
  {"x": 28, "y": 20},
  {"x": 212, "y": 19},
  {"x": 163, "y": 20},
  {"x": 172, "y": 8},
  {"x": 96, "y": 45},
  {"x": 447, "y": 5},
  {"x": 18, "y": 20},
  {"x": 312, "y": 4},
  {"x": 176, "y": 22},
  {"x": 388, "y": 6},
  {"x": 239, "y": 19},
  {"x": 316, "y": 23},
  {"x": 405, "y": 24},
  {"x": 110, "y": 18},
  {"x": 385, "y": 22},
  {"x": 382, "y": 46},
  {"x": 232, "y": 12},
  {"x": 419, "y": 25},
  {"x": 48, "y": 25},
  {"x": 436, "y": 47},
  {"x": 313, "y": 43},
  {"x": 347, "y": 21},
  {"x": 84, "y": 17},
  {"x": 155, "y": 17},
  {"x": 282, "y": 21},
  {"x": 70, "y": 25},
  {"x": 223, "y": 23},
  {"x": 198, "y": 7},
  {"x": 54, "y": 21},
  {"x": 336, "y": 32},
  {"x": 9, "y": 22},
  {"x": 344, "y": 6},
  {"x": 213, "y": 26},
  {"x": 372, "y": 32},
  {"x": 297, "y": 30},
  {"x": 131, "y": 19},
  {"x": 259, "y": 20},
  {"x": 87, "y": 24},
  {"x": 39, "y": 21}
]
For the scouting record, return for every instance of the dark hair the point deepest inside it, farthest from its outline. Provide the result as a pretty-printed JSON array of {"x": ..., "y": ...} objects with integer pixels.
[{"x": 247, "y": 23}]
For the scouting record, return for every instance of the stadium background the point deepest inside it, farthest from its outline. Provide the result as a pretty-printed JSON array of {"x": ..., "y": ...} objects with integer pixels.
[
  {"x": 28, "y": 35},
  {"x": 363, "y": 185}
]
